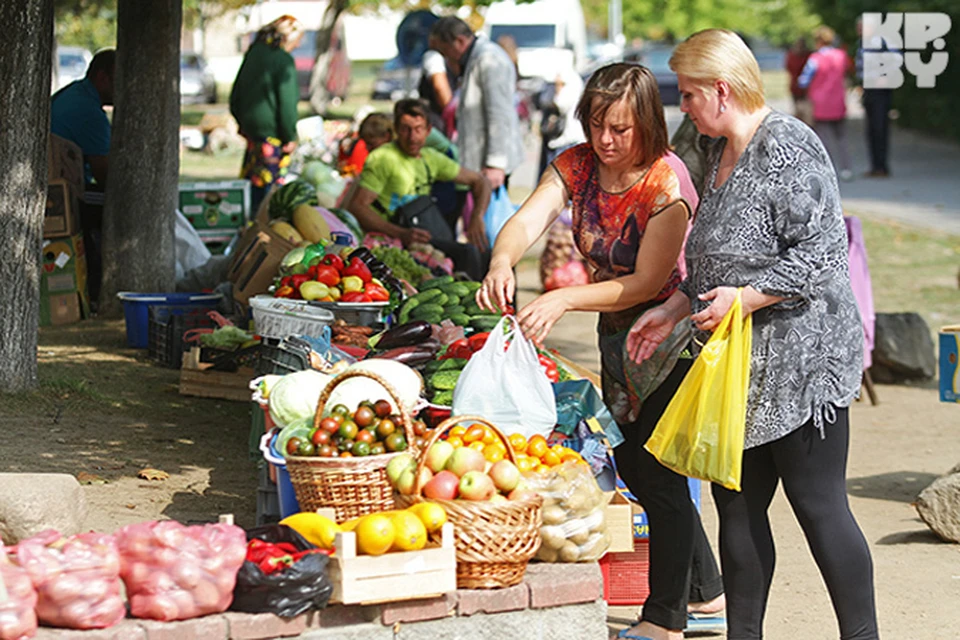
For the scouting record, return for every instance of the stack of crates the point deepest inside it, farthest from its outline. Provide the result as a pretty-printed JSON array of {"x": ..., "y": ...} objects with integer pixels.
[
  {"x": 219, "y": 211},
  {"x": 166, "y": 326}
]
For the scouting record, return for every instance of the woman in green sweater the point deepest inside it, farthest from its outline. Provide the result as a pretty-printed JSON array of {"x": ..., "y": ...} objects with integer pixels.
[{"x": 264, "y": 102}]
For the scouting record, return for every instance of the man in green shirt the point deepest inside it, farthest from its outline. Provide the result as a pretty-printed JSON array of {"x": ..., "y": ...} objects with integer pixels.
[{"x": 398, "y": 172}]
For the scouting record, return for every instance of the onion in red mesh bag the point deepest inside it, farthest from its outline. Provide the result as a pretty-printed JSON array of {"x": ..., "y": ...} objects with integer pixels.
[
  {"x": 18, "y": 619},
  {"x": 77, "y": 579},
  {"x": 173, "y": 572}
]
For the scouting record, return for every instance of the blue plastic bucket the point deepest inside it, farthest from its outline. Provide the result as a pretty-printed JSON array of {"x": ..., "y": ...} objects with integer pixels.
[
  {"x": 136, "y": 310},
  {"x": 285, "y": 492}
]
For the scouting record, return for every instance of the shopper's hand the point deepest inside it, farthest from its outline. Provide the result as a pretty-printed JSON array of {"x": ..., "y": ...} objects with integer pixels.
[
  {"x": 647, "y": 333},
  {"x": 496, "y": 177},
  {"x": 496, "y": 292},
  {"x": 477, "y": 232},
  {"x": 537, "y": 318},
  {"x": 414, "y": 235},
  {"x": 721, "y": 299}
]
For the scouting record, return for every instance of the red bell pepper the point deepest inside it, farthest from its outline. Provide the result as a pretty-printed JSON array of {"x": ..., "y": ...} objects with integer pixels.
[
  {"x": 286, "y": 281},
  {"x": 459, "y": 349},
  {"x": 376, "y": 292},
  {"x": 333, "y": 260},
  {"x": 359, "y": 269},
  {"x": 355, "y": 296},
  {"x": 477, "y": 341},
  {"x": 327, "y": 274},
  {"x": 312, "y": 272},
  {"x": 299, "y": 279},
  {"x": 550, "y": 368},
  {"x": 284, "y": 292}
]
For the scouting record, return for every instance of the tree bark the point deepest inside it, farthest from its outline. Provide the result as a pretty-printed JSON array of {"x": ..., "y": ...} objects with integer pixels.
[
  {"x": 141, "y": 195},
  {"x": 24, "y": 126}
]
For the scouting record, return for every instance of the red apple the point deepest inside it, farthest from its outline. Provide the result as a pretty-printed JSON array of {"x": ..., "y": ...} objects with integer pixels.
[
  {"x": 476, "y": 485},
  {"x": 465, "y": 459},
  {"x": 505, "y": 475},
  {"x": 443, "y": 486},
  {"x": 438, "y": 454},
  {"x": 521, "y": 494}
]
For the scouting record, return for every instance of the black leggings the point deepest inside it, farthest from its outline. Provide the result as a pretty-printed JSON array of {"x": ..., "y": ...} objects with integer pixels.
[
  {"x": 813, "y": 471},
  {"x": 682, "y": 566}
]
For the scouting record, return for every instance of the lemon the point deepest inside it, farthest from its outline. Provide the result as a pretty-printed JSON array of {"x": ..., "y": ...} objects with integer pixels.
[
  {"x": 431, "y": 515},
  {"x": 375, "y": 534},
  {"x": 316, "y": 528},
  {"x": 410, "y": 534}
]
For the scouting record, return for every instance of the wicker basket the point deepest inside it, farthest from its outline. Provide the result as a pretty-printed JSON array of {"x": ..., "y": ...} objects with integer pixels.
[
  {"x": 494, "y": 540},
  {"x": 352, "y": 487}
]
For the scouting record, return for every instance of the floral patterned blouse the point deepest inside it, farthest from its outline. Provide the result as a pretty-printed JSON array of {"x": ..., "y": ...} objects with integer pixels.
[
  {"x": 776, "y": 225},
  {"x": 608, "y": 228}
]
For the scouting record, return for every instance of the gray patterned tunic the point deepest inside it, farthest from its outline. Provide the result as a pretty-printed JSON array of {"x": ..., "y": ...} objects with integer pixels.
[{"x": 776, "y": 225}]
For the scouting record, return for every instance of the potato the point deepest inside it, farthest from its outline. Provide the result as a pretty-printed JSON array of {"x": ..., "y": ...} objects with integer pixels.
[
  {"x": 595, "y": 546},
  {"x": 547, "y": 554},
  {"x": 569, "y": 552},
  {"x": 554, "y": 514},
  {"x": 580, "y": 537},
  {"x": 552, "y": 537}
]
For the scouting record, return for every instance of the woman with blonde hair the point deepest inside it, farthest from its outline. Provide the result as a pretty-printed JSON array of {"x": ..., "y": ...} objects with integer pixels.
[
  {"x": 770, "y": 224},
  {"x": 264, "y": 102}
]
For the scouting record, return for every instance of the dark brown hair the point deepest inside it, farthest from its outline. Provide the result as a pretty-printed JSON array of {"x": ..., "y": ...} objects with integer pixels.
[
  {"x": 410, "y": 107},
  {"x": 375, "y": 126},
  {"x": 635, "y": 84}
]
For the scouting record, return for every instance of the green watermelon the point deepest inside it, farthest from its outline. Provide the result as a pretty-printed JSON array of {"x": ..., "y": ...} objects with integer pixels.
[{"x": 288, "y": 197}]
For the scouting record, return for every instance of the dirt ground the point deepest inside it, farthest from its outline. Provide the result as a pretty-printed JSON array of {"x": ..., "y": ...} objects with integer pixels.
[{"x": 106, "y": 411}]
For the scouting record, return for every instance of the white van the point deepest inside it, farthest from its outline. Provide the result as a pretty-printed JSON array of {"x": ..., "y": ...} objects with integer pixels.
[{"x": 548, "y": 33}]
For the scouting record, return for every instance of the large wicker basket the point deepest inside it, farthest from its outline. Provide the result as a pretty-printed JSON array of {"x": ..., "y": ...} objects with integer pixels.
[
  {"x": 352, "y": 487},
  {"x": 494, "y": 540}
]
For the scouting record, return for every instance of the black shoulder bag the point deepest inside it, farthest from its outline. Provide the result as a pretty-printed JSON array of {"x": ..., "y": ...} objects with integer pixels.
[{"x": 423, "y": 213}]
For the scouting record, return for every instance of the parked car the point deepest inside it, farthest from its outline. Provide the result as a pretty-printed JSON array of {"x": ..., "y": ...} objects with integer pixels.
[
  {"x": 394, "y": 81},
  {"x": 72, "y": 63},
  {"x": 197, "y": 83}
]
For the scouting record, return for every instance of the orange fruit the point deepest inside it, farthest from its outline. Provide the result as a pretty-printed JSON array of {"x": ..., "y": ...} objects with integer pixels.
[
  {"x": 551, "y": 459},
  {"x": 542, "y": 468},
  {"x": 570, "y": 454},
  {"x": 431, "y": 515},
  {"x": 526, "y": 463},
  {"x": 375, "y": 534},
  {"x": 457, "y": 430},
  {"x": 489, "y": 437},
  {"x": 518, "y": 442},
  {"x": 537, "y": 446},
  {"x": 456, "y": 441},
  {"x": 477, "y": 445},
  {"x": 558, "y": 449},
  {"x": 493, "y": 453},
  {"x": 474, "y": 434}
]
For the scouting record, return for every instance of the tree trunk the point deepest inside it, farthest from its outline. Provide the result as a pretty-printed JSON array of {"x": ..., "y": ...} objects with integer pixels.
[
  {"x": 141, "y": 195},
  {"x": 24, "y": 128}
]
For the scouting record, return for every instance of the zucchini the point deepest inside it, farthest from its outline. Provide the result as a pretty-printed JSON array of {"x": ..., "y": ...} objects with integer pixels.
[{"x": 426, "y": 311}]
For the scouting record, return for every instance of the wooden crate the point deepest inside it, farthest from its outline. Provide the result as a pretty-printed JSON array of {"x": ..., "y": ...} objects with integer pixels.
[
  {"x": 197, "y": 380},
  {"x": 400, "y": 575}
]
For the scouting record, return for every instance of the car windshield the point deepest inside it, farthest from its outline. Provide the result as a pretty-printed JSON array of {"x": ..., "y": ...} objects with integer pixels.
[
  {"x": 526, "y": 35},
  {"x": 189, "y": 62}
]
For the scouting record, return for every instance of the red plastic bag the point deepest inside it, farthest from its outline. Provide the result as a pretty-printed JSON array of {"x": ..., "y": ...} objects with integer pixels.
[
  {"x": 174, "y": 572},
  {"x": 76, "y": 578},
  {"x": 18, "y": 619}
]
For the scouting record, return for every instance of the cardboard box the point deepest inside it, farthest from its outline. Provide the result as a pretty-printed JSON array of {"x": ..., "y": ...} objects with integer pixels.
[
  {"x": 216, "y": 205},
  {"x": 255, "y": 262},
  {"x": 64, "y": 162},
  {"x": 61, "y": 216},
  {"x": 60, "y": 309},
  {"x": 620, "y": 523},
  {"x": 950, "y": 364},
  {"x": 64, "y": 270}
]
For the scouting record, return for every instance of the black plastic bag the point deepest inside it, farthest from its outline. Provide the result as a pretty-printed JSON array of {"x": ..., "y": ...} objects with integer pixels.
[{"x": 288, "y": 592}]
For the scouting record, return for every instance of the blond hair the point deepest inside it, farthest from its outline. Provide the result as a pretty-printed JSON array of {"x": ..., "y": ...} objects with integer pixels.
[
  {"x": 284, "y": 29},
  {"x": 718, "y": 54},
  {"x": 824, "y": 36}
]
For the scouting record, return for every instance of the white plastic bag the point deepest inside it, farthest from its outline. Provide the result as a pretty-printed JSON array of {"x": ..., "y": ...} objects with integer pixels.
[{"x": 506, "y": 385}]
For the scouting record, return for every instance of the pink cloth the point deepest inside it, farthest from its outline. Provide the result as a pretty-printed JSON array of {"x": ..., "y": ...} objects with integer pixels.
[
  {"x": 689, "y": 193},
  {"x": 827, "y": 90},
  {"x": 860, "y": 282}
]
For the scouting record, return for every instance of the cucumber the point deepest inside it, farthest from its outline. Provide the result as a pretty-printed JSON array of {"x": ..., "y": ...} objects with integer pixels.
[
  {"x": 443, "y": 398},
  {"x": 459, "y": 319},
  {"x": 458, "y": 289},
  {"x": 409, "y": 305},
  {"x": 471, "y": 285},
  {"x": 484, "y": 323},
  {"x": 427, "y": 295},
  {"x": 435, "y": 282},
  {"x": 453, "y": 310},
  {"x": 425, "y": 311},
  {"x": 452, "y": 299},
  {"x": 443, "y": 365}
]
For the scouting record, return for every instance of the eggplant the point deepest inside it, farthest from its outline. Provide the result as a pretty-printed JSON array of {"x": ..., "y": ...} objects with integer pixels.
[
  {"x": 411, "y": 355},
  {"x": 410, "y": 333}
]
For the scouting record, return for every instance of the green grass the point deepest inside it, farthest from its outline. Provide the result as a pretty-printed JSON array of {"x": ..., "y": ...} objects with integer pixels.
[{"x": 776, "y": 84}]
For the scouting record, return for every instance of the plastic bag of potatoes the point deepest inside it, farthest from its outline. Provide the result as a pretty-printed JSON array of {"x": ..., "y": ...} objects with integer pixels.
[{"x": 574, "y": 514}]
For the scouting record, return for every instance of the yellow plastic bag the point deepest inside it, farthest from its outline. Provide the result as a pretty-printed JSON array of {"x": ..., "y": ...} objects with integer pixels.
[{"x": 700, "y": 434}]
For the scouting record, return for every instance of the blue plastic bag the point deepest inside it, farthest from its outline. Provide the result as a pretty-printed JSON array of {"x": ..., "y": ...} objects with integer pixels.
[{"x": 498, "y": 212}]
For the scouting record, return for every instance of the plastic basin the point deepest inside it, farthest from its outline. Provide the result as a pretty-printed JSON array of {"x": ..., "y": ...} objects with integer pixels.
[
  {"x": 285, "y": 492},
  {"x": 136, "y": 310}
]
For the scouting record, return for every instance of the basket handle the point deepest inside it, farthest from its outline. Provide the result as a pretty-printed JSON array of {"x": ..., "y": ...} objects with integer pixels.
[
  {"x": 445, "y": 426},
  {"x": 360, "y": 373}
]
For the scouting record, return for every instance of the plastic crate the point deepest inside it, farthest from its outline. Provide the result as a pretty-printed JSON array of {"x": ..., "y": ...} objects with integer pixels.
[
  {"x": 626, "y": 575},
  {"x": 166, "y": 326},
  {"x": 282, "y": 358},
  {"x": 268, "y": 499},
  {"x": 136, "y": 310}
]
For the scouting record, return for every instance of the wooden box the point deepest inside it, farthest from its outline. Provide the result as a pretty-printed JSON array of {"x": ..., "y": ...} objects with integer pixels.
[
  {"x": 255, "y": 262},
  {"x": 61, "y": 214},
  {"x": 398, "y": 575},
  {"x": 197, "y": 380},
  {"x": 65, "y": 162}
]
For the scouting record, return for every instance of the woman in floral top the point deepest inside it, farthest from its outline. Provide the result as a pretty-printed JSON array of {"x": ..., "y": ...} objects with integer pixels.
[
  {"x": 770, "y": 222},
  {"x": 629, "y": 221}
]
